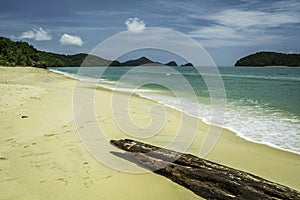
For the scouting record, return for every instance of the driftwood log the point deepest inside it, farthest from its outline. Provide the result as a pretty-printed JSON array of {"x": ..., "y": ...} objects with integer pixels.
[{"x": 205, "y": 178}]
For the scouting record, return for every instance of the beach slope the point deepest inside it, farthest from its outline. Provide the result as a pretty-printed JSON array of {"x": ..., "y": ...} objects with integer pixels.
[{"x": 42, "y": 156}]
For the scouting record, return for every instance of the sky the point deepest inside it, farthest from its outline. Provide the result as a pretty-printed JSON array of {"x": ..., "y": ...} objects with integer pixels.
[{"x": 228, "y": 30}]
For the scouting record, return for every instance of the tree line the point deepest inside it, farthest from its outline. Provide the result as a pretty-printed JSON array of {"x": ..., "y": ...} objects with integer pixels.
[
  {"x": 269, "y": 59},
  {"x": 23, "y": 54}
]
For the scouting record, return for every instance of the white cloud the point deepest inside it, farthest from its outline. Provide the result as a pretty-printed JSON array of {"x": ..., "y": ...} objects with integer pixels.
[
  {"x": 38, "y": 34},
  {"x": 220, "y": 36},
  {"x": 242, "y": 18},
  {"x": 67, "y": 39},
  {"x": 135, "y": 25},
  {"x": 216, "y": 31},
  {"x": 238, "y": 27}
]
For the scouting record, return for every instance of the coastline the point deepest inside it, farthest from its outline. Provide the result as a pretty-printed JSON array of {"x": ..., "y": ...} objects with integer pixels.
[
  {"x": 248, "y": 118},
  {"x": 42, "y": 156}
]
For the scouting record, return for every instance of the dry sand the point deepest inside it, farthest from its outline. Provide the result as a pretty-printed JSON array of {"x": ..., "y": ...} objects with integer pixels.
[{"x": 42, "y": 156}]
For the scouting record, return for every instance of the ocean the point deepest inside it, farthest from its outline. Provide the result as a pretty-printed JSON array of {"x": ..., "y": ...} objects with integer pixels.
[{"x": 262, "y": 103}]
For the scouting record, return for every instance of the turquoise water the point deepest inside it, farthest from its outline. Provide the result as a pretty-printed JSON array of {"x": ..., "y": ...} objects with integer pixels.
[{"x": 262, "y": 103}]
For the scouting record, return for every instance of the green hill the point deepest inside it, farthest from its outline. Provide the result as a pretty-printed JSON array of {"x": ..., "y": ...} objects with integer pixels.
[
  {"x": 58, "y": 60},
  {"x": 269, "y": 59},
  {"x": 17, "y": 53},
  {"x": 23, "y": 54}
]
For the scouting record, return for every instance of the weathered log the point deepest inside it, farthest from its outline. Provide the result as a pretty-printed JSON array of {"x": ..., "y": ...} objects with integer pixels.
[{"x": 205, "y": 178}]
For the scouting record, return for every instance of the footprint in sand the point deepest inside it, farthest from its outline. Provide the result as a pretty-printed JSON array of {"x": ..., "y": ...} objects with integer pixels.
[
  {"x": 86, "y": 167},
  {"x": 11, "y": 142},
  {"x": 3, "y": 157},
  {"x": 50, "y": 135},
  {"x": 63, "y": 180},
  {"x": 38, "y": 159},
  {"x": 68, "y": 131},
  {"x": 87, "y": 181},
  {"x": 74, "y": 146},
  {"x": 43, "y": 164},
  {"x": 8, "y": 179}
]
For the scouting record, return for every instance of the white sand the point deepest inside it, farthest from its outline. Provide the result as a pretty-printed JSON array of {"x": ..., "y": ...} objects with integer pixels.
[{"x": 42, "y": 157}]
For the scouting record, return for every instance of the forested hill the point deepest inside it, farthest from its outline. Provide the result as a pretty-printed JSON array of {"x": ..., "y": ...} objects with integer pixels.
[
  {"x": 270, "y": 59},
  {"x": 23, "y": 54},
  {"x": 17, "y": 53}
]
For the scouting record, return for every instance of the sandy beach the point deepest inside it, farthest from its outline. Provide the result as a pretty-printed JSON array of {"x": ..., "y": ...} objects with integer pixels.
[{"x": 42, "y": 156}]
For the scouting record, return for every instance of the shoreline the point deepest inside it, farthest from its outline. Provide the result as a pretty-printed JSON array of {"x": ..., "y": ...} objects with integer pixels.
[
  {"x": 238, "y": 134},
  {"x": 42, "y": 155}
]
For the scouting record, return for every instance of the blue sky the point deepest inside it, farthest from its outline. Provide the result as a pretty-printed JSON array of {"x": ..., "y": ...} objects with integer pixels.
[{"x": 228, "y": 29}]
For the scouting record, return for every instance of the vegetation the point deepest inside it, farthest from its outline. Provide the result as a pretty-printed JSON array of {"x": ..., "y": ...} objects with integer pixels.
[
  {"x": 22, "y": 54},
  {"x": 58, "y": 60},
  {"x": 187, "y": 64},
  {"x": 140, "y": 61},
  {"x": 147, "y": 62},
  {"x": 269, "y": 59},
  {"x": 17, "y": 53}
]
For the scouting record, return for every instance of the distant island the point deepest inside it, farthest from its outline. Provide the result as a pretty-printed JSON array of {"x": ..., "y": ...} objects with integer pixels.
[
  {"x": 269, "y": 59},
  {"x": 23, "y": 54},
  {"x": 145, "y": 61}
]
